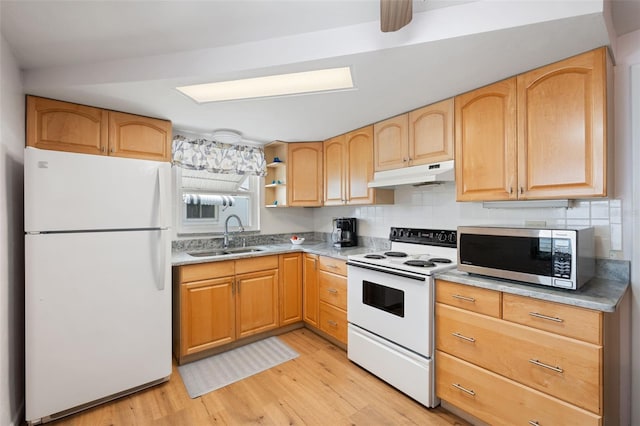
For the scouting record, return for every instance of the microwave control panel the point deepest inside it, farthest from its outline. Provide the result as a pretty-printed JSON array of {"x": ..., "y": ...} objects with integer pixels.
[{"x": 561, "y": 258}]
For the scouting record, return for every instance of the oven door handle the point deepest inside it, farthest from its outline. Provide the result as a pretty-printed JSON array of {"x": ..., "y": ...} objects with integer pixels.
[{"x": 388, "y": 271}]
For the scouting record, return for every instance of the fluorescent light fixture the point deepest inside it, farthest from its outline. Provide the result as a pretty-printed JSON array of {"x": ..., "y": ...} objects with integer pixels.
[{"x": 274, "y": 85}]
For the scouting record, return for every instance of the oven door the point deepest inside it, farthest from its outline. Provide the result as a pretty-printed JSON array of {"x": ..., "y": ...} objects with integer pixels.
[{"x": 397, "y": 306}]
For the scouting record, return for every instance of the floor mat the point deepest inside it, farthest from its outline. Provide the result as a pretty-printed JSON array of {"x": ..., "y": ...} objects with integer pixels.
[{"x": 217, "y": 371}]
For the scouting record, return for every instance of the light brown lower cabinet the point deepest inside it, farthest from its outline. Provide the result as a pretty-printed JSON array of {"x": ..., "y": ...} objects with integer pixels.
[
  {"x": 310, "y": 289},
  {"x": 256, "y": 302},
  {"x": 217, "y": 303},
  {"x": 509, "y": 359},
  {"x": 290, "y": 277},
  {"x": 497, "y": 400},
  {"x": 325, "y": 295}
]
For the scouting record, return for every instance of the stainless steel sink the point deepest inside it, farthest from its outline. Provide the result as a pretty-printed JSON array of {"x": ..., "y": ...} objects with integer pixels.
[
  {"x": 242, "y": 250},
  {"x": 222, "y": 252},
  {"x": 206, "y": 253}
]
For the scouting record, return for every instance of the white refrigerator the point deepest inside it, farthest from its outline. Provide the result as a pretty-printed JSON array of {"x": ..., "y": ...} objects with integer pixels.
[{"x": 97, "y": 279}]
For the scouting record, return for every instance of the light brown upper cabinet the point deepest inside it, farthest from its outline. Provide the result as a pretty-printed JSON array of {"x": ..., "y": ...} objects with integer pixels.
[
  {"x": 391, "y": 143},
  {"x": 431, "y": 133},
  {"x": 304, "y": 174},
  {"x": 134, "y": 136},
  {"x": 540, "y": 135},
  {"x": 422, "y": 136},
  {"x": 65, "y": 126},
  {"x": 348, "y": 169},
  {"x": 486, "y": 143}
]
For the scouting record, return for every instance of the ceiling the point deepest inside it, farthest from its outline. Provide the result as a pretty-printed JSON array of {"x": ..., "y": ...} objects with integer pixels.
[{"x": 130, "y": 55}]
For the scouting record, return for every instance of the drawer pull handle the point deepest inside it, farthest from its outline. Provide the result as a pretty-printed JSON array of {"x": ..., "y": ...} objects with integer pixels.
[
  {"x": 332, "y": 290},
  {"x": 332, "y": 323},
  {"x": 554, "y": 319},
  {"x": 460, "y": 336},
  {"x": 463, "y": 389},
  {"x": 328, "y": 265},
  {"x": 465, "y": 298},
  {"x": 534, "y": 423},
  {"x": 542, "y": 364}
]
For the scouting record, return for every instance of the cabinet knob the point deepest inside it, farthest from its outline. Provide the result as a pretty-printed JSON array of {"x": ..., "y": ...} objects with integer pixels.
[
  {"x": 102, "y": 149},
  {"x": 510, "y": 190},
  {"x": 521, "y": 190}
]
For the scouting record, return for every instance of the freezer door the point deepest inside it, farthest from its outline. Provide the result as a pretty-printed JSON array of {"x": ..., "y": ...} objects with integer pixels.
[
  {"x": 68, "y": 191},
  {"x": 98, "y": 316}
]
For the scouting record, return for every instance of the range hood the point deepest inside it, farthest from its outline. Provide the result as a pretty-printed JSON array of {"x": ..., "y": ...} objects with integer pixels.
[{"x": 425, "y": 174}]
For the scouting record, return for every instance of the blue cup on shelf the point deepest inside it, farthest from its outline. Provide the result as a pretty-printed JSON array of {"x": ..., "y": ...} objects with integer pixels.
[{"x": 276, "y": 159}]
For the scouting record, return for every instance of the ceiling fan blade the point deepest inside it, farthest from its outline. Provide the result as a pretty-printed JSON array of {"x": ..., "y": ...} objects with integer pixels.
[{"x": 395, "y": 14}]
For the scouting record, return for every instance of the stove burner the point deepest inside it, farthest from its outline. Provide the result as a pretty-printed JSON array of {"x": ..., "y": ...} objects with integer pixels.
[
  {"x": 422, "y": 263},
  {"x": 374, "y": 256},
  {"x": 395, "y": 254},
  {"x": 439, "y": 260}
]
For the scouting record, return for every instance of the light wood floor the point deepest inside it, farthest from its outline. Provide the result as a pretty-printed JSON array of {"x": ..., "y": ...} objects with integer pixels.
[{"x": 320, "y": 387}]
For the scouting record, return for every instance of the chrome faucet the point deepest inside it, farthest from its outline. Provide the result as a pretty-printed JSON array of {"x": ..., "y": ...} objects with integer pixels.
[{"x": 225, "y": 243}]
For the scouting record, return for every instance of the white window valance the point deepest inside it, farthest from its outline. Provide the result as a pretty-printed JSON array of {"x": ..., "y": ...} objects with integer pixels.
[{"x": 216, "y": 157}]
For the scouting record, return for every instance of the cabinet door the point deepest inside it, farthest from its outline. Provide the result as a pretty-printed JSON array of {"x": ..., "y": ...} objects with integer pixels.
[
  {"x": 391, "y": 140},
  {"x": 290, "y": 272},
  {"x": 431, "y": 133},
  {"x": 63, "y": 126},
  {"x": 304, "y": 174},
  {"x": 134, "y": 136},
  {"x": 486, "y": 143},
  {"x": 256, "y": 302},
  {"x": 562, "y": 128},
  {"x": 359, "y": 166},
  {"x": 207, "y": 314},
  {"x": 334, "y": 171},
  {"x": 310, "y": 289}
]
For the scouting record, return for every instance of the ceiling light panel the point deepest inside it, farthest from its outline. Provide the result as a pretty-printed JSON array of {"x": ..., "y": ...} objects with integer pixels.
[{"x": 274, "y": 85}]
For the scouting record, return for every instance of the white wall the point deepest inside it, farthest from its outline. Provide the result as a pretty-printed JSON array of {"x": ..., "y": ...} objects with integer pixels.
[{"x": 11, "y": 239}]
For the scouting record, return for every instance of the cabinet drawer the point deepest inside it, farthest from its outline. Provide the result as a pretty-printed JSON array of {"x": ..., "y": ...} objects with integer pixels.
[
  {"x": 566, "y": 368},
  {"x": 570, "y": 321},
  {"x": 259, "y": 263},
  {"x": 331, "y": 264},
  {"x": 474, "y": 299},
  {"x": 333, "y": 321},
  {"x": 205, "y": 271},
  {"x": 333, "y": 289},
  {"x": 475, "y": 390}
]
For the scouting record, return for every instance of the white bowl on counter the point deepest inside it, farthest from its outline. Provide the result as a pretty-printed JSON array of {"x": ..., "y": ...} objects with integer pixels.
[{"x": 297, "y": 241}]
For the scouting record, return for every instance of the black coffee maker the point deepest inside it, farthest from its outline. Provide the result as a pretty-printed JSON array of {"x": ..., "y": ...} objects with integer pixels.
[{"x": 345, "y": 233}]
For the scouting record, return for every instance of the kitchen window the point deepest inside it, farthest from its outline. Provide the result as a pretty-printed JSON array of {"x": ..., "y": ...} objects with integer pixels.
[{"x": 204, "y": 200}]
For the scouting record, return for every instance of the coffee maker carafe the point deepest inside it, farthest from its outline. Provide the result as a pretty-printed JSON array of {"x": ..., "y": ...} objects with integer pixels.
[{"x": 344, "y": 232}]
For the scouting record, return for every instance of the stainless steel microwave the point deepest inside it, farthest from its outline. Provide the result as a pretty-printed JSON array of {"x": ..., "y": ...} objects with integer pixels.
[{"x": 561, "y": 258}]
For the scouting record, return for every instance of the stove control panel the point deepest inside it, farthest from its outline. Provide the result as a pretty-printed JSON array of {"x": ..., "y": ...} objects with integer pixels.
[{"x": 432, "y": 237}]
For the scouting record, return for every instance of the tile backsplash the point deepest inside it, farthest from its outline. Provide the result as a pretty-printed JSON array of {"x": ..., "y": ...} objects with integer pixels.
[{"x": 436, "y": 207}]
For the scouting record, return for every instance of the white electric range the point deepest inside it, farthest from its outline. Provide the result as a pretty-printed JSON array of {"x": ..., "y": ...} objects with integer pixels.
[{"x": 391, "y": 304}]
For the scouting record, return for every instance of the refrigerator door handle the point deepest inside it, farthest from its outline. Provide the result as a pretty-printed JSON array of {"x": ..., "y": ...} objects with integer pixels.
[
  {"x": 162, "y": 191},
  {"x": 163, "y": 259}
]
